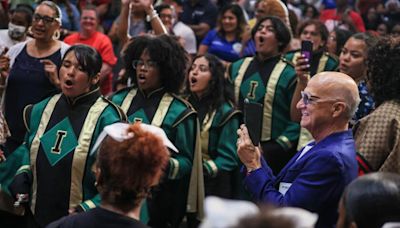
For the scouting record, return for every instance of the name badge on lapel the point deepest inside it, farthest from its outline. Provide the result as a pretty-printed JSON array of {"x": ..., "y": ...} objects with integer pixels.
[{"x": 284, "y": 187}]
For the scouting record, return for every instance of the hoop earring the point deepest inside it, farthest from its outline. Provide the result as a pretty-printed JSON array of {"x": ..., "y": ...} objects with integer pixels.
[
  {"x": 56, "y": 35},
  {"x": 30, "y": 31}
]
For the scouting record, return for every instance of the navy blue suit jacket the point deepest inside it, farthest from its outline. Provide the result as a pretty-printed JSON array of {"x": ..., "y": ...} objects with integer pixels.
[{"x": 315, "y": 182}]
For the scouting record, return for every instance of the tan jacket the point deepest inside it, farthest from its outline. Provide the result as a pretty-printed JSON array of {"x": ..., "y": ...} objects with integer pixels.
[{"x": 378, "y": 138}]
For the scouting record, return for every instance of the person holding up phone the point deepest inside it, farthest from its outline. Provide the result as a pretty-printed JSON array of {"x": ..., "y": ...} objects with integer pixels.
[
  {"x": 314, "y": 36},
  {"x": 269, "y": 79},
  {"x": 319, "y": 60},
  {"x": 316, "y": 176}
]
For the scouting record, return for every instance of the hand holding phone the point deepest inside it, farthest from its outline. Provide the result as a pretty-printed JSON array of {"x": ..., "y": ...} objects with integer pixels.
[
  {"x": 253, "y": 120},
  {"x": 302, "y": 66},
  {"x": 306, "y": 49}
]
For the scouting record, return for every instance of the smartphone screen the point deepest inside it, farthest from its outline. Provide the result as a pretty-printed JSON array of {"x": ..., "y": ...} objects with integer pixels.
[{"x": 253, "y": 120}]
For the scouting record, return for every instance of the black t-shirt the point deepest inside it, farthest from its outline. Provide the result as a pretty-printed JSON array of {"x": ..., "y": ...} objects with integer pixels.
[{"x": 97, "y": 218}]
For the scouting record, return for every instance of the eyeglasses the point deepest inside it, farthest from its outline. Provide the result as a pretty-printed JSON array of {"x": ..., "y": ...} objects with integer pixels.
[
  {"x": 137, "y": 64},
  {"x": 308, "y": 98},
  {"x": 46, "y": 19}
]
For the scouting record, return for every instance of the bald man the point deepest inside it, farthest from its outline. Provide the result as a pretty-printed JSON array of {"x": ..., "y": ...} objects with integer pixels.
[{"x": 316, "y": 176}]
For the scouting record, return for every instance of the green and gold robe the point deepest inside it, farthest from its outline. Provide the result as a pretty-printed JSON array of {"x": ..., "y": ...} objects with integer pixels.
[
  {"x": 271, "y": 83},
  {"x": 57, "y": 153},
  {"x": 218, "y": 147},
  {"x": 179, "y": 121}
]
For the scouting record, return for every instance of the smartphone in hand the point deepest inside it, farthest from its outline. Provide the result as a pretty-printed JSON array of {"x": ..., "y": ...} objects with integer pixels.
[
  {"x": 306, "y": 49},
  {"x": 253, "y": 113}
]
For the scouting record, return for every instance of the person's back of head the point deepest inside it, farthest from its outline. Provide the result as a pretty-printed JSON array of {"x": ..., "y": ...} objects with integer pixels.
[
  {"x": 371, "y": 201},
  {"x": 285, "y": 217},
  {"x": 383, "y": 74},
  {"x": 342, "y": 36},
  {"x": 126, "y": 170}
]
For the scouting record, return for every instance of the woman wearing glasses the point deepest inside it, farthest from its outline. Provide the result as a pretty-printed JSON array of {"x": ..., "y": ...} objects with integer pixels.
[
  {"x": 212, "y": 97},
  {"x": 33, "y": 66},
  {"x": 157, "y": 65}
]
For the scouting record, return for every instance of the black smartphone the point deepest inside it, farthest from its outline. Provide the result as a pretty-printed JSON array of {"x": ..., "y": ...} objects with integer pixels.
[
  {"x": 306, "y": 49},
  {"x": 253, "y": 113}
]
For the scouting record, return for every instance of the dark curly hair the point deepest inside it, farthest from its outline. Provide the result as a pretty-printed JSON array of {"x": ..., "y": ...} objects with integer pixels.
[
  {"x": 128, "y": 169},
  {"x": 219, "y": 89},
  {"x": 383, "y": 72},
  {"x": 170, "y": 56}
]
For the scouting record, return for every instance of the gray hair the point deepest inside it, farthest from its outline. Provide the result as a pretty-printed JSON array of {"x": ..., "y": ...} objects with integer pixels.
[{"x": 352, "y": 103}]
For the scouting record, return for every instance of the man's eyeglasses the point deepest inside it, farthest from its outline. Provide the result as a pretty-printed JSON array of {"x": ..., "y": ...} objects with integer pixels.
[
  {"x": 46, "y": 19},
  {"x": 137, "y": 64},
  {"x": 308, "y": 98}
]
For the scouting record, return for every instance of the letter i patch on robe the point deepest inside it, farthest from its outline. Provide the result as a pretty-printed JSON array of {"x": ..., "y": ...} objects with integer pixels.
[{"x": 59, "y": 141}]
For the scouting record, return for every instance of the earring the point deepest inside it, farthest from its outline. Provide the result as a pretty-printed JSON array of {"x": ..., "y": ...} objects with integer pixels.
[
  {"x": 56, "y": 35},
  {"x": 96, "y": 184},
  {"x": 30, "y": 31}
]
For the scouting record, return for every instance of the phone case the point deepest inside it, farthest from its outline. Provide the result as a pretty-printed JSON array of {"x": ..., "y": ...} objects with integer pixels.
[
  {"x": 306, "y": 49},
  {"x": 253, "y": 120}
]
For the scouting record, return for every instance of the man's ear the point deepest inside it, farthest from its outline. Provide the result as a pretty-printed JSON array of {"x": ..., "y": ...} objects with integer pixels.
[
  {"x": 95, "y": 79},
  {"x": 338, "y": 108}
]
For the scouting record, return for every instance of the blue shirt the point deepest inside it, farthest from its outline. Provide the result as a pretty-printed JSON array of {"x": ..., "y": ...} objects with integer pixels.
[
  {"x": 27, "y": 84},
  {"x": 219, "y": 46},
  {"x": 366, "y": 105},
  {"x": 315, "y": 182}
]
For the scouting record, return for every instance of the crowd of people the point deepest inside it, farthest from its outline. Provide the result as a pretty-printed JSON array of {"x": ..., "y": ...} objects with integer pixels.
[{"x": 129, "y": 113}]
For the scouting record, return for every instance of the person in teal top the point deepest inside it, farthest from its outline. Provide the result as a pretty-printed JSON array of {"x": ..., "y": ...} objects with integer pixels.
[
  {"x": 158, "y": 66},
  {"x": 269, "y": 79},
  {"x": 56, "y": 158},
  {"x": 212, "y": 97}
]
